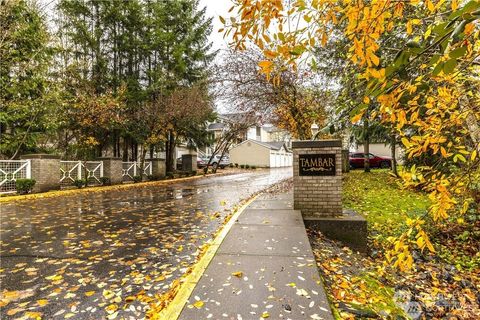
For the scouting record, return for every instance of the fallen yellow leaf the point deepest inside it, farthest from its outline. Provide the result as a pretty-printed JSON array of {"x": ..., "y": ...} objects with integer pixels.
[
  {"x": 237, "y": 274},
  {"x": 33, "y": 315},
  {"x": 111, "y": 308},
  {"x": 55, "y": 277},
  {"x": 42, "y": 302},
  {"x": 265, "y": 315},
  {"x": 13, "y": 311},
  {"x": 107, "y": 294},
  {"x": 198, "y": 304}
]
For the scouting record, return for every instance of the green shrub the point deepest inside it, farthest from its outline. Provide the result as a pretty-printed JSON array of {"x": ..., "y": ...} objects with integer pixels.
[
  {"x": 79, "y": 183},
  {"x": 242, "y": 166},
  {"x": 236, "y": 165},
  {"x": 169, "y": 175},
  {"x": 155, "y": 177},
  {"x": 231, "y": 165},
  {"x": 137, "y": 179},
  {"x": 247, "y": 166},
  {"x": 181, "y": 173},
  {"x": 193, "y": 173},
  {"x": 24, "y": 186},
  {"x": 105, "y": 181},
  {"x": 253, "y": 167}
]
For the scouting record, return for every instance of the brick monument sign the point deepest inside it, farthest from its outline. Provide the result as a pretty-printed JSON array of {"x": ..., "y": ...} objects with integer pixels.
[
  {"x": 317, "y": 177},
  {"x": 317, "y": 192}
]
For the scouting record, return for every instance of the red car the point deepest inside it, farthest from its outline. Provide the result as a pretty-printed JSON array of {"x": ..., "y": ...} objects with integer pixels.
[{"x": 357, "y": 160}]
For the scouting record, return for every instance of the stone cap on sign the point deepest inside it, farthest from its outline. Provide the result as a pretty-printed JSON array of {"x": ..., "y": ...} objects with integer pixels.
[
  {"x": 316, "y": 144},
  {"x": 39, "y": 156}
]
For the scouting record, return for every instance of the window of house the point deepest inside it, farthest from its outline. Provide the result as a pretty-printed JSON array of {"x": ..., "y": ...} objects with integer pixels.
[{"x": 259, "y": 131}]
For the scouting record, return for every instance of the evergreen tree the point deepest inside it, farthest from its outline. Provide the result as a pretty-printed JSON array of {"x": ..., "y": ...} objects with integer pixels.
[
  {"x": 148, "y": 48},
  {"x": 26, "y": 93}
]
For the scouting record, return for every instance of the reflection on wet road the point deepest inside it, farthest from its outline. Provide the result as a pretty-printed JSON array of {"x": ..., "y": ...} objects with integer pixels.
[{"x": 107, "y": 254}]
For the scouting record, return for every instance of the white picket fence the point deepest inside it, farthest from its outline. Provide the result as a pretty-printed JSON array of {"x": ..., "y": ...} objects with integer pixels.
[
  {"x": 131, "y": 169},
  {"x": 10, "y": 171},
  {"x": 92, "y": 171}
]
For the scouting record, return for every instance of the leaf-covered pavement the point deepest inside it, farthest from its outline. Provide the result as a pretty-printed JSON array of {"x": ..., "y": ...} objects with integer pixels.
[{"x": 110, "y": 254}]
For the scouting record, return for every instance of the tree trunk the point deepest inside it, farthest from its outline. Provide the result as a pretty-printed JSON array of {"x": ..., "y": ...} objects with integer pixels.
[
  {"x": 142, "y": 160},
  {"x": 118, "y": 155},
  {"x": 225, "y": 148},
  {"x": 169, "y": 152},
  {"x": 132, "y": 150},
  {"x": 98, "y": 150},
  {"x": 366, "y": 145},
  {"x": 114, "y": 143},
  {"x": 393, "y": 146},
  {"x": 125, "y": 149}
]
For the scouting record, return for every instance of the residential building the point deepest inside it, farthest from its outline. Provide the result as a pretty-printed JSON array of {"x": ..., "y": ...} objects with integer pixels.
[{"x": 261, "y": 154}]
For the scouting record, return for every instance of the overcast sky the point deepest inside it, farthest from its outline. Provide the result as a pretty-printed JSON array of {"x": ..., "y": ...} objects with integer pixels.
[{"x": 216, "y": 8}]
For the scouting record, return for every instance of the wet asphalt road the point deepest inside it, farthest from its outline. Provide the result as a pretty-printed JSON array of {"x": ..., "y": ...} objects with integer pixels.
[{"x": 108, "y": 254}]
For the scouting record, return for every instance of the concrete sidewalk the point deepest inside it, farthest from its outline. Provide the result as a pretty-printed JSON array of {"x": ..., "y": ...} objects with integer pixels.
[{"x": 264, "y": 268}]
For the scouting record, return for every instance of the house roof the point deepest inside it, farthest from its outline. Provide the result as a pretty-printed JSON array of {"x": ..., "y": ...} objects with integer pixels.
[
  {"x": 224, "y": 119},
  {"x": 271, "y": 129},
  {"x": 216, "y": 126},
  {"x": 277, "y": 145}
]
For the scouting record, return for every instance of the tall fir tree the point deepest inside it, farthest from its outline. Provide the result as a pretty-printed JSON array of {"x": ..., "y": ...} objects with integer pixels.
[
  {"x": 148, "y": 48},
  {"x": 26, "y": 92}
]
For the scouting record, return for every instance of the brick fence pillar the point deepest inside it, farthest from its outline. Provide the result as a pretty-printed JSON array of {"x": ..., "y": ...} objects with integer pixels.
[
  {"x": 317, "y": 177},
  {"x": 45, "y": 170},
  {"x": 189, "y": 162},
  {"x": 158, "y": 168},
  {"x": 112, "y": 169}
]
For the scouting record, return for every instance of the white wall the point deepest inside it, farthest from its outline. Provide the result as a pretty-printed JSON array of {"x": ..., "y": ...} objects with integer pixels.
[
  {"x": 250, "y": 153},
  {"x": 252, "y": 133}
]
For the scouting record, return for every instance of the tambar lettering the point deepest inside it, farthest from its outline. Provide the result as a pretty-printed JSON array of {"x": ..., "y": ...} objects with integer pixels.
[{"x": 316, "y": 164}]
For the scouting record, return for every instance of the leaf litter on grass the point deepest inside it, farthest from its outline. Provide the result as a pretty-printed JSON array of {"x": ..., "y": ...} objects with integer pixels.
[{"x": 361, "y": 286}]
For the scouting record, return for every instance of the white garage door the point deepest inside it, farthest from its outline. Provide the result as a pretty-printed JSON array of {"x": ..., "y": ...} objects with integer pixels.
[
  {"x": 274, "y": 160},
  {"x": 280, "y": 159}
]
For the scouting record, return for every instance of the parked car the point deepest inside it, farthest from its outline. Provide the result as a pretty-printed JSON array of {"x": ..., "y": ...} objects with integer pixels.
[
  {"x": 216, "y": 161},
  {"x": 200, "y": 163},
  {"x": 357, "y": 160}
]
